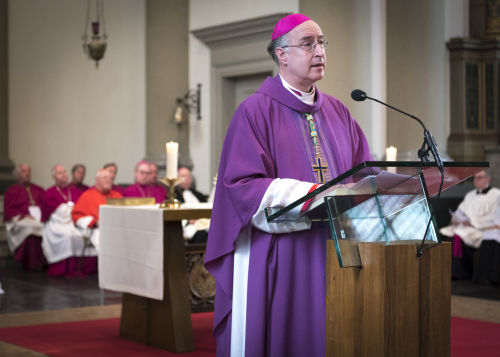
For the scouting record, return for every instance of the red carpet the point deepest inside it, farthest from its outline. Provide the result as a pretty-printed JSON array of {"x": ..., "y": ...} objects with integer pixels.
[
  {"x": 100, "y": 338},
  {"x": 474, "y": 338}
]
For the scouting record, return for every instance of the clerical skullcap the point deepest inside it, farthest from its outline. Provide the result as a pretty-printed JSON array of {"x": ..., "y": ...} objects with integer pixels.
[{"x": 287, "y": 24}]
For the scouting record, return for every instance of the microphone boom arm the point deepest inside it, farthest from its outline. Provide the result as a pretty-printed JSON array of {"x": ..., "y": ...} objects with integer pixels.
[{"x": 429, "y": 143}]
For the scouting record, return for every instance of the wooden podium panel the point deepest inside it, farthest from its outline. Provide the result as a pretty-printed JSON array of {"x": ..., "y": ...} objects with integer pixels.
[
  {"x": 395, "y": 305},
  {"x": 165, "y": 323}
]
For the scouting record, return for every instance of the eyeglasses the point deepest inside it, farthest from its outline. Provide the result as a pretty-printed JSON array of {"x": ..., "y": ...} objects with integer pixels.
[{"x": 310, "y": 46}]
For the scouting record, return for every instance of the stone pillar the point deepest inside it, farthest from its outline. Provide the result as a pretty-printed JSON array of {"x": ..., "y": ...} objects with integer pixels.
[
  {"x": 6, "y": 165},
  {"x": 166, "y": 78}
]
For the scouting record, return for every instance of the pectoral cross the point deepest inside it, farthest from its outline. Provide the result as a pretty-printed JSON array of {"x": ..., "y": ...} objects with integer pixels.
[{"x": 319, "y": 168}]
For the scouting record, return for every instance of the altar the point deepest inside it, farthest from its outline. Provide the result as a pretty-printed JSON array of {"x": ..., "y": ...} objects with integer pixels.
[{"x": 143, "y": 254}]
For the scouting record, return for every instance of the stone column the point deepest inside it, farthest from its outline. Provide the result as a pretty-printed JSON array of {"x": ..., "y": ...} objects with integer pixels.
[
  {"x": 166, "y": 78},
  {"x": 6, "y": 165}
]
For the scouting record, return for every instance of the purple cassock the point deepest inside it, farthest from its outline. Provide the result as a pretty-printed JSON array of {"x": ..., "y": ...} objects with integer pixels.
[
  {"x": 16, "y": 202},
  {"x": 72, "y": 266},
  {"x": 269, "y": 138},
  {"x": 161, "y": 192},
  {"x": 55, "y": 195},
  {"x": 136, "y": 190},
  {"x": 117, "y": 188},
  {"x": 82, "y": 187}
]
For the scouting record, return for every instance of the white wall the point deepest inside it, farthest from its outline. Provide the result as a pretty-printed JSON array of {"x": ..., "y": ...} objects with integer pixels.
[
  {"x": 61, "y": 108},
  {"x": 207, "y": 13}
]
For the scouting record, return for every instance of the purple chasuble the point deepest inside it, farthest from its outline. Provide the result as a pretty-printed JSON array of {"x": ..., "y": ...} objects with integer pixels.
[
  {"x": 17, "y": 200},
  {"x": 54, "y": 197},
  {"x": 136, "y": 190},
  {"x": 269, "y": 138}
]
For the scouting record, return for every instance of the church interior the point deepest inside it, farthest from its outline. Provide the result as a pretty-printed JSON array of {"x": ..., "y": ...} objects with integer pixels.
[{"x": 176, "y": 70}]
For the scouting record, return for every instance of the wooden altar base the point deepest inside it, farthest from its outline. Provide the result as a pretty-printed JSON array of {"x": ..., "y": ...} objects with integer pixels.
[
  {"x": 165, "y": 323},
  {"x": 395, "y": 305}
]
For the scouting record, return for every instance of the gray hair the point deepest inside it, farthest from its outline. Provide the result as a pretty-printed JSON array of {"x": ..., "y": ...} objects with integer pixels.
[
  {"x": 53, "y": 170},
  {"x": 273, "y": 45},
  {"x": 17, "y": 168}
]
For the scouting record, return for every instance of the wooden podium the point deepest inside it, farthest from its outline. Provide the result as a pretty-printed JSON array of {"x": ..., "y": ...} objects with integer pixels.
[
  {"x": 382, "y": 297},
  {"x": 395, "y": 305},
  {"x": 165, "y": 323}
]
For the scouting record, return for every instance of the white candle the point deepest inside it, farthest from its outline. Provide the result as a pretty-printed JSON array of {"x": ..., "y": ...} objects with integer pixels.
[
  {"x": 391, "y": 153},
  {"x": 172, "y": 157}
]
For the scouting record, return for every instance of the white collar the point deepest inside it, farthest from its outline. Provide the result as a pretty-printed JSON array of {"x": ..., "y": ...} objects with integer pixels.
[{"x": 307, "y": 98}]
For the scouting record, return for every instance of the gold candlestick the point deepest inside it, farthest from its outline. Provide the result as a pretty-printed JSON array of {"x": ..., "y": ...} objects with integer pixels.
[{"x": 170, "y": 201}]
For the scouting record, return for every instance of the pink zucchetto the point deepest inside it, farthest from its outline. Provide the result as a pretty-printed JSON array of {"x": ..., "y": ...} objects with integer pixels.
[{"x": 287, "y": 24}]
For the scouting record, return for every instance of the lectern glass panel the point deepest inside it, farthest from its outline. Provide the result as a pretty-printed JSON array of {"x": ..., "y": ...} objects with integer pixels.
[{"x": 375, "y": 202}]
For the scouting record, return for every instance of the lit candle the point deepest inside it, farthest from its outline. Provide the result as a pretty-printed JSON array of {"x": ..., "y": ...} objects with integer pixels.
[
  {"x": 391, "y": 153},
  {"x": 172, "y": 157}
]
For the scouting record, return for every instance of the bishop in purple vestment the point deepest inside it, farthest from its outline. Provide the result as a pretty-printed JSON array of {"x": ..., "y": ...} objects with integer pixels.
[
  {"x": 282, "y": 141},
  {"x": 22, "y": 203},
  {"x": 142, "y": 186},
  {"x": 61, "y": 240},
  {"x": 60, "y": 193}
]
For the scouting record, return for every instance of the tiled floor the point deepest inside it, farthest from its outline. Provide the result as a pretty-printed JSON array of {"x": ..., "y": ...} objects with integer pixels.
[{"x": 35, "y": 291}]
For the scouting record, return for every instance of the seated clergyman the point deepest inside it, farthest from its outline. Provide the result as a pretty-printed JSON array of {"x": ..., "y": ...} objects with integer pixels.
[
  {"x": 196, "y": 230},
  {"x": 143, "y": 186},
  {"x": 22, "y": 217},
  {"x": 77, "y": 177},
  {"x": 62, "y": 243},
  {"x": 475, "y": 230},
  {"x": 160, "y": 189},
  {"x": 85, "y": 214}
]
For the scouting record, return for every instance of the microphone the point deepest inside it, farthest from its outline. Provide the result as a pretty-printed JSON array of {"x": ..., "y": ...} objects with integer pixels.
[{"x": 359, "y": 96}]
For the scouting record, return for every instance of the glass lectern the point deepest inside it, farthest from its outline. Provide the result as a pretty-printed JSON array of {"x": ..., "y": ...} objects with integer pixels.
[{"x": 378, "y": 201}]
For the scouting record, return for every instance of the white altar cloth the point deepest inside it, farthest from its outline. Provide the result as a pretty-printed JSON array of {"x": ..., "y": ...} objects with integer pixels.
[{"x": 131, "y": 250}]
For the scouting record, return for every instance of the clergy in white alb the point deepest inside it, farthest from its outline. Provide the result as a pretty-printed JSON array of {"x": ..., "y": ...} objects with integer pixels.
[
  {"x": 475, "y": 230},
  {"x": 61, "y": 239},
  {"x": 477, "y": 218}
]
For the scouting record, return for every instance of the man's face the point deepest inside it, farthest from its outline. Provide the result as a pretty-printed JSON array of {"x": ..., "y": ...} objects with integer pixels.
[
  {"x": 103, "y": 181},
  {"x": 154, "y": 173},
  {"x": 186, "y": 179},
  {"x": 112, "y": 170},
  {"x": 79, "y": 175},
  {"x": 299, "y": 67},
  {"x": 143, "y": 174},
  {"x": 60, "y": 176},
  {"x": 24, "y": 174},
  {"x": 481, "y": 180}
]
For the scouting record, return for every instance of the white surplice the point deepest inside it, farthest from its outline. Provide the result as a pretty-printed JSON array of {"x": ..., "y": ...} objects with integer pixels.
[
  {"x": 61, "y": 239},
  {"x": 482, "y": 211},
  {"x": 18, "y": 229}
]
